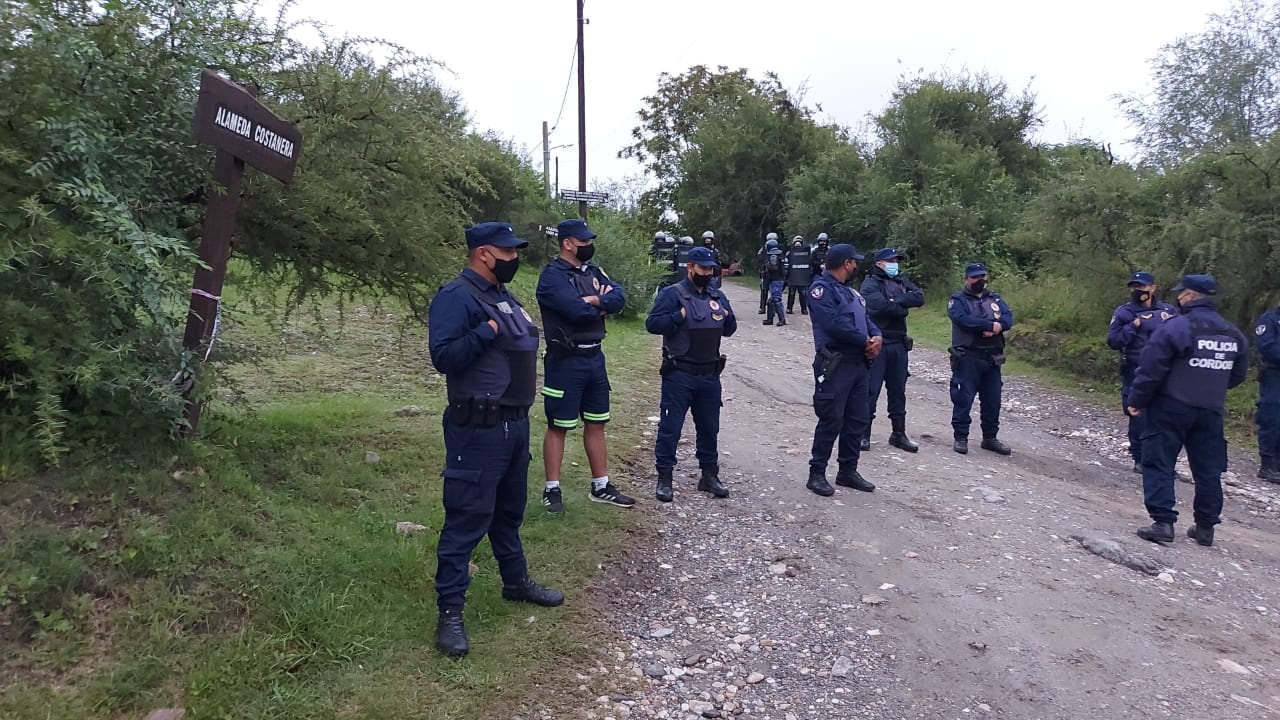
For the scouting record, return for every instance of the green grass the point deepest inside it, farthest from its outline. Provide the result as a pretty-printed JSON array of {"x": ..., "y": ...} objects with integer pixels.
[{"x": 256, "y": 573}]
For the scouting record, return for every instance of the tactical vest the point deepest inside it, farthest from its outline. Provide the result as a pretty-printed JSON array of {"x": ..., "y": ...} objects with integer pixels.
[
  {"x": 1200, "y": 376},
  {"x": 1152, "y": 318},
  {"x": 817, "y": 260},
  {"x": 773, "y": 265},
  {"x": 799, "y": 274},
  {"x": 508, "y": 369},
  {"x": 697, "y": 339},
  {"x": 585, "y": 283},
  {"x": 847, "y": 301},
  {"x": 988, "y": 308}
]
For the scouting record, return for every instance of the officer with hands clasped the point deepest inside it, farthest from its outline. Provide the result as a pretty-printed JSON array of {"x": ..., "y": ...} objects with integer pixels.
[
  {"x": 890, "y": 297},
  {"x": 845, "y": 342},
  {"x": 1131, "y": 327},
  {"x": 979, "y": 320},
  {"x": 486, "y": 345},
  {"x": 692, "y": 317},
  {"x": 574, "y": 296},
  {"x": 1180, "y": 387}
]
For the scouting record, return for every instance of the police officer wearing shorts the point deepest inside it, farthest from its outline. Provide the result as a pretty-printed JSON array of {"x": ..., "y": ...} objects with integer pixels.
[
  {"x": 486, "y": 345},
  {"x": 1180, "y": 387},
  {"x": 1267, "y": 336},
  {"x": 1131, "y": 326},
  {"x": 575, "y": 296},
  {"x": 845, "y": 342},
  {"x": 979, "y": 320},
  {"x": 692, "y": 317}
]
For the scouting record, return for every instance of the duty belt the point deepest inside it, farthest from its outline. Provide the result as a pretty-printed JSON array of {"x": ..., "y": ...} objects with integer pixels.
[
  {"x": 484, "y": 412},
  {"x": 556, "y": 347}
]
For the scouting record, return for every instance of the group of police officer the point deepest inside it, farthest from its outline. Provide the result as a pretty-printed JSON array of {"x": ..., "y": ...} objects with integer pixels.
[{"x": 1178, "y": 365}]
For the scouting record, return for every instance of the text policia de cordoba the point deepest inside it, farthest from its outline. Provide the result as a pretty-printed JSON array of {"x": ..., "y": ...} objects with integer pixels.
[
  {"x": 245, "y": 128},
  {"x": 1219, "y": 350}
]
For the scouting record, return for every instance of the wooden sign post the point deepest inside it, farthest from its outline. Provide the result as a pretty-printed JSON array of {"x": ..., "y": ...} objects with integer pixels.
[{"x": 242, "y": 130}]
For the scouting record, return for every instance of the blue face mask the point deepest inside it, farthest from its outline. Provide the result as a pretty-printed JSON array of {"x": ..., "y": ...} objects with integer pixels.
[{"x": 891, "y": 269}]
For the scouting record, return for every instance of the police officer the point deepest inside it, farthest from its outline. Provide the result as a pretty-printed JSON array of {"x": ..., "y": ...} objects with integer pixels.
[
  {"x": 663, "y": 247},
  {"x": 845, "y": 342},
  {"x": 1180, "y": 387},
  {"x": 818, "y": 260},
  {"x": 761, "y": 255},
  {"x": 709, "y": 242},
  {"x": 1267, "y": 330},
  {"x": 798, "y": 275},
  {"x": 574, "y": 296},
  {"x": 486, "y": 345},
  {"x": 691, "y": 316},
  {"x": 1131, "y": 327},
  {"x": 890, "y": 296},
  {"x": 979, "y": 321},
  {"x": 774, "y": 270}
]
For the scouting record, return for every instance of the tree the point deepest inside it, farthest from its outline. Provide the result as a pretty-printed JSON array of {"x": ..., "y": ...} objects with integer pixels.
[{"x": 1213, "y": 89}]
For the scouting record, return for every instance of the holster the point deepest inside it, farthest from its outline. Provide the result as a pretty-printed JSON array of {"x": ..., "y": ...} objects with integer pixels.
[
  {"x": 667, "y": 364},
  {"x": 478, "y": 412},
  {"x": 720, "y": 364},
  {"x": 908, "y": 342},
  {"x": 956, "y": 353},
  {"x": 830, "y": 360}
]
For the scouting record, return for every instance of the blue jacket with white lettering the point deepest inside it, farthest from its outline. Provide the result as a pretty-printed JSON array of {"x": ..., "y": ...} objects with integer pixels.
[{"x": 1193, "y": 358}]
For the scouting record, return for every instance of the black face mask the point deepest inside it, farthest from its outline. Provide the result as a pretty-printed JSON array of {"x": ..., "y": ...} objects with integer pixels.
[
  {"x": 700, "y": 281},
  {"x": 978, "y": 286},
  {"x": 505, "y": 270},
  {"x": 584, "y": 252},
  {"x": 1140, "y": 297}
]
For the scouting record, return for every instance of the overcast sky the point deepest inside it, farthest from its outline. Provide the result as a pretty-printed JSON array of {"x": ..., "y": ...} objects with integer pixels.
[{"x": 510, "y": 59}]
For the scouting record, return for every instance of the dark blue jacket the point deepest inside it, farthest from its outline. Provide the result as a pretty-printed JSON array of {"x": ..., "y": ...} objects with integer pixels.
[
  {"x": 971, "y": 315},
  {"x": 565, "y": 315},
  {"x": 839, "y": 316},
  {"x": 1267, "y": 332},
  {"x": 1193, "y": 358},
  {"x": 889, "y": 301},
  {"x": 1129, "y": 340}
]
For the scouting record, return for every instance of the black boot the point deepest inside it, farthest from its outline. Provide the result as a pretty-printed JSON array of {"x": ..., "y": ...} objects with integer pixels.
[
  {"x": 864, "y": 445},
  {"x": 819, "y": 485},
  {"x": 782, "y": 318},
  {"x": 851, "y": 479},
  {"x": 995, "y": 446},
  {"x": 451, "y": 635},
  {"x": 664, "y": 493},
  {"x": 1158, "y": 532},
  {"x": 531, "y": 592},
  {"x": 768, "y": 319},
  {"x": 710, "y": 482},
  {"x": 961, "y": 445},
  {"x": 898, "y": 438},
  {"x": 1202, "y": 534},
  {"x": 1270, "y": 470}
]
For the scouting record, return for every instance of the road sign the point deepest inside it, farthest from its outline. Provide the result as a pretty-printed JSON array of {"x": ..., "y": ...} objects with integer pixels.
[
  {"x": 242, "y": 130},
  {"x": 587, "y": 196}
]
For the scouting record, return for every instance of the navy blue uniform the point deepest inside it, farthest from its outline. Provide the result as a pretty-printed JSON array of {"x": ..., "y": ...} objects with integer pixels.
[
  {"x": 773, "y": 267},
  {"x": 1181, "y": 384},
  {"x": 1129, "y": 340},
  {"x": 976, "y": 360},
  {"x": 492, "y": 380},
  {"x": 841, "y": 328},
  {"x": 1267, "y": 332},
  {"x": 575, "y": 381},
  {"x": 888, "y": 302},
  {"x": 692, "y": 344}
]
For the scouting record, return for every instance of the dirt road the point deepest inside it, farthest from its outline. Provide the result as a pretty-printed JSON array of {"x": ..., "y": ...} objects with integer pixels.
[{"x": 955, "y": 590}]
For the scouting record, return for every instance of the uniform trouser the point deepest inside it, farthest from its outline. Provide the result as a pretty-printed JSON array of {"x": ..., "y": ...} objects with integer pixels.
[
  {"x": 890, "y": 371},
  {"x": 775, "y": 296},
  {"x": 975, "y": 375},
  {"x": 803, "y": 292},
  {"x": 1268, "y": 416},
  {"x": 1171, "y": 426},
  {"x": 486, "y": 476},
  {"x": 1136, "y": 424},
  {"x": 681, "y": 393},
  {"x": 840, "y": 402}
]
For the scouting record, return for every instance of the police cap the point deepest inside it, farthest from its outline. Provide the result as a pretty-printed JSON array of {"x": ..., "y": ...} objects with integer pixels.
[
  {"x": 887, "y": 254},
  {"x": 974, "y": 270},
  {"x": 1142, "y": 278},
  {"x": 702, "y": 256},
  {"x": 841, "y": 253},
  {"x": 574, "y": 228},
  {"x": 1203, "y": 284},
  {"x": 497, "y": 234}
]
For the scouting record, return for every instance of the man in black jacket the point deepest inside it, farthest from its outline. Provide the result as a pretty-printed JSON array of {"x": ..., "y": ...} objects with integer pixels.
[{"x": 890, "y": 295}]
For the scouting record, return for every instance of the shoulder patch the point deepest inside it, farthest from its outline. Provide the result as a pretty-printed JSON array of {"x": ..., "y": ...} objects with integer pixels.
[
  {"x": 817, "y": 291},
  {"x": 1260, "y": 330},
  {"x": 951, "y": 303}
]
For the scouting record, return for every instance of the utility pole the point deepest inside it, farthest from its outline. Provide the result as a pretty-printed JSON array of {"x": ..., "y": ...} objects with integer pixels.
[
  {"x": 582, "y": 117},
  {"x": 546, "y": 160}
]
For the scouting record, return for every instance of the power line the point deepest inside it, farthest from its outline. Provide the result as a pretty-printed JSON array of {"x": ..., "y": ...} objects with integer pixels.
[{"x": 573, "y": 62}]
